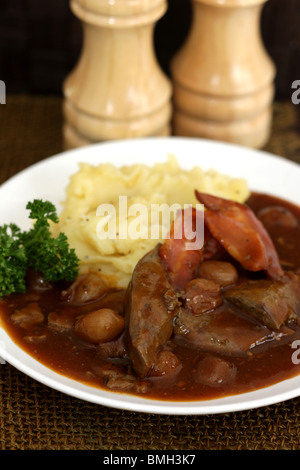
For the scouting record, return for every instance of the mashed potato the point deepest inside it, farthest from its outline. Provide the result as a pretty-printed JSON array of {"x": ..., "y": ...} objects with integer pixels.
[{"x": 96, "y": 198}]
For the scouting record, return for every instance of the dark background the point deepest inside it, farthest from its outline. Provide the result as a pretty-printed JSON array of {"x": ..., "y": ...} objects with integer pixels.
[{"x": 40, "y": 41}]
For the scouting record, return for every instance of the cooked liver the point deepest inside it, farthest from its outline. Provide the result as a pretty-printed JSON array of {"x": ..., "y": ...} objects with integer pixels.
[
  {"x": 271, "y": 302},
  {"x": 224, "y": 331},
  {"x": 150, "y": 306}
]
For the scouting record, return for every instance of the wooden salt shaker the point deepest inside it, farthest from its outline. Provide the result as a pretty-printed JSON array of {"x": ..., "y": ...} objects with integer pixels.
[
  {"x": 117, "y": 90},
  {"x": 223, "y": 76}
]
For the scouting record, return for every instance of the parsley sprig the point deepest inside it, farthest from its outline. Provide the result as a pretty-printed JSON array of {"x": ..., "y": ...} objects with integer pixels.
[{"x": 36, "y": 249}]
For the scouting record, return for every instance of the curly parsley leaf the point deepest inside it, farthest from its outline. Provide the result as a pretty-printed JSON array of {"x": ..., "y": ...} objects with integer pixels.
[
  {"x": 13, "y": 260},
  {"x": 53, "y": 258},
  {"x": 42, "y": 211},
  {"x": 36, "y": 249}
]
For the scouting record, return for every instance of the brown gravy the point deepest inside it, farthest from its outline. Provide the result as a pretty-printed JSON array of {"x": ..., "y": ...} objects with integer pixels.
[{"x": 65, "y": 353}]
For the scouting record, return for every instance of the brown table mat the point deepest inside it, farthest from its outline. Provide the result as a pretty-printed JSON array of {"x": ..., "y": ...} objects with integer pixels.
[{"x": 35, "y": 417}]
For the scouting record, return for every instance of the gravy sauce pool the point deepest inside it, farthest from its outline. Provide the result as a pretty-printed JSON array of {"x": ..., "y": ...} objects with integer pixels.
[{"x": 64, "y": 352}]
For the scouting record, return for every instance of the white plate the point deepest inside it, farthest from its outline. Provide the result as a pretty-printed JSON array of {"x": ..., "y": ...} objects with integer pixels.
[{"x": 49, "y": 178}]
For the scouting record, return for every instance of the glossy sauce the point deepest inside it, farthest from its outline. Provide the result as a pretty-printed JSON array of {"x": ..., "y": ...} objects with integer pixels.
[{"x": 67, "y": 354}]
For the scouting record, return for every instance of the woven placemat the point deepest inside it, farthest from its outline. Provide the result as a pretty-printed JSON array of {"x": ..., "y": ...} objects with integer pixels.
[
  {"x": 36, "y": 417},
  {"x": 30, "y": 130}
]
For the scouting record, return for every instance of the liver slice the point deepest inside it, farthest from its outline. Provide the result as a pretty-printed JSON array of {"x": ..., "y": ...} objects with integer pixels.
[
  {"x": 224, "y": 332},
  {"x": 271, "y": 302},
  {"x": 150, "y": 307}
]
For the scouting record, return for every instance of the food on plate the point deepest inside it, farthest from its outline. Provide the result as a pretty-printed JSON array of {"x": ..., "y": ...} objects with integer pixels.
[
  {"x": 158, "y": 186},
  {"x": 192, "y": 322}
]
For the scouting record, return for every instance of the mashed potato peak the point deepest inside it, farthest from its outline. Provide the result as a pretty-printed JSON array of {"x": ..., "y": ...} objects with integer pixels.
[{"x": 138, "y": 185}]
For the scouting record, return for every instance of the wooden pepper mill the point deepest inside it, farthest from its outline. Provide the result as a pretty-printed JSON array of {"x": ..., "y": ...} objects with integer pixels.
[
  {"x": 117, "y": 90},
  {"x": 222, "y": 76}
]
